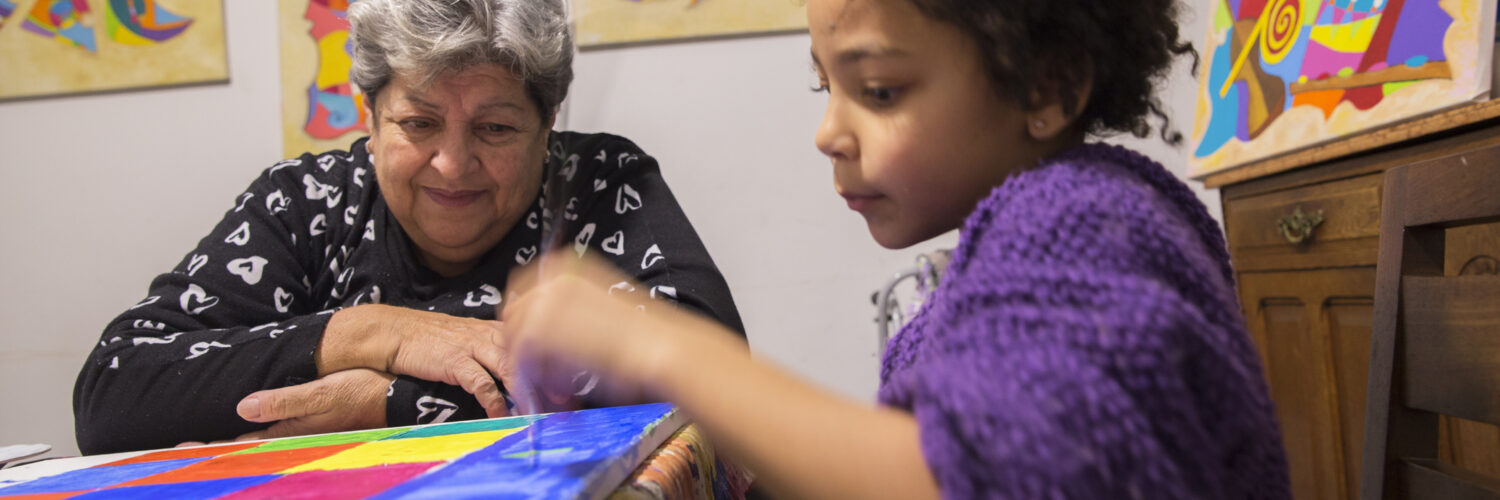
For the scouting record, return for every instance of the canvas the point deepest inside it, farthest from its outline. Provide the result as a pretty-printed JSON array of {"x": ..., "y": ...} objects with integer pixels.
[
  {"x": 1281, "y": 75},
  {"x": 582, "y": 454},
  {"x": 57, "y": 47},
  {"x": 606, "y": 22},
  {"x": 321, "y": 110}
]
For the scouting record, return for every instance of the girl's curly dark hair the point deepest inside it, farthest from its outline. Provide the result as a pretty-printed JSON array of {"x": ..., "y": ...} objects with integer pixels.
[{"x": 1127, "y": 45}]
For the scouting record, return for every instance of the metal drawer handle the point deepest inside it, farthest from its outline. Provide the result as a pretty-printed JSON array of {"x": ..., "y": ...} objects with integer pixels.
[{"x": 1298, "y": 227}]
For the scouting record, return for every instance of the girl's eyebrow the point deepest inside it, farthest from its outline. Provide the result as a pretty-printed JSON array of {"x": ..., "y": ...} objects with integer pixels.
[{"x": 859, "y": 53}]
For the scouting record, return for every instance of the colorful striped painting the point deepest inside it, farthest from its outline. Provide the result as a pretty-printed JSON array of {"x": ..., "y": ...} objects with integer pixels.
[{"x": 582, "y": 454}]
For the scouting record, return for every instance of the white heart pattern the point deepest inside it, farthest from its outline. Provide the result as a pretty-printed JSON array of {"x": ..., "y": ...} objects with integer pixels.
[
  {"x": 570, "y": 168},
  {"x": 319, "y": 225},
  {"x": 581, "y": 244},
  {"x": 359, "y": 176},
  {"x": 491, "y": 297},
  {"x": 624, "y": 158},
  {"x": 571, "y": 211},
  {"x": 240, "y": 236},
  {"x": 202, "y": 348},
  {"x": 531, "y": 220},
  {"x": 197, "y": 261},
  {"x": 153, "y": 340},
  {"x": 319, "y": 191},
  {"x": 614, "y": 244},
  {"x": 276, "y": 203},
  {"x": 149, "y": 300},
  {"x": 429, "y": 405},
  {"x": 524, "y": 255},
  {"x": 602, "y": 156},
  {"x": 623, "y": 286},
  {"x": 666, "y": 291},
  {"x": 283, "y": 300},
  {"x": 626, "y": 199},
  {"x": 285, "y": 163},
  {"x": 148, "y": 325},
  {"x": 248, "y": 268},
  {"x": 349, "y": 214},
  {"x": 244, "y": 198},
  {"x": 653, "y": 255},
  {"x": 195, "y": 300},
  {"x": 326, "y": 162},
  {"x": 600, "y": 184},
  {"x": 370, "y": 229}
]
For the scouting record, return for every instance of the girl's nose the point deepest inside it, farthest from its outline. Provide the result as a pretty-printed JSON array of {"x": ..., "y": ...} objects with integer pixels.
[{"x": 834, "y": 138}]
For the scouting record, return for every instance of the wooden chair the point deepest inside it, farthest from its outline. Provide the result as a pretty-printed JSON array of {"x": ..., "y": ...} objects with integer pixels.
[{"x": 1436, "y": 345}]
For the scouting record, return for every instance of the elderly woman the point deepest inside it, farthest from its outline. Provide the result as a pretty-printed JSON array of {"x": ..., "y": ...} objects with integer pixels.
[{"x": 358, "y": 289}]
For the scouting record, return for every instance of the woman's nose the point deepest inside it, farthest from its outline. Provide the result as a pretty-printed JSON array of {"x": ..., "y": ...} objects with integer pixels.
[{"x": 455, "y": 156}]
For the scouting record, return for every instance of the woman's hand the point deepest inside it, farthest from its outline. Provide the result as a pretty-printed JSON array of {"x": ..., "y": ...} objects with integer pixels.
[
  {"x": 431, "y": 346},
  {"x": 341, "y": 401}
]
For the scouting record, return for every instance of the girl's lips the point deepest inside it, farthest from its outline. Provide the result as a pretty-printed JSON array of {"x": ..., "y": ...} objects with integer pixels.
[
  {"x": 452, "y": 199},
  {"x": 859, "y": 203}
]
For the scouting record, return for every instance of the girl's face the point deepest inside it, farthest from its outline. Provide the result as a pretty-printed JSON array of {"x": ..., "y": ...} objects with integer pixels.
[
  {"x": 458, "y": 161},
  {"x": 916, "y": 133}
]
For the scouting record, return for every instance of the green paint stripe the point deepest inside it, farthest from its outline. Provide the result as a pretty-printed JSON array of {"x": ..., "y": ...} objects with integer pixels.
[{"x": 323, "y": 440}]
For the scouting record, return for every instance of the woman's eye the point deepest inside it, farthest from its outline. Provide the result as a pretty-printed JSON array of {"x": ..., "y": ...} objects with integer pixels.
[
  {"x": 417, "y": 125},
  {"x": 822, "y": 87}
]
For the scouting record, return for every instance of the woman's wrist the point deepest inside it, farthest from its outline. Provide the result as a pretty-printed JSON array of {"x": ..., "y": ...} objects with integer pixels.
[{"x": 355, "y": 338}]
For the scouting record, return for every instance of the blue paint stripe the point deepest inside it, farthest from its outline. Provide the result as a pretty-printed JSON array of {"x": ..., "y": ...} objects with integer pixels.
[
  {"x": 576, "y": 447},
  {"x": 97, "y": 477},
  {"x": 193, "y": 489}
]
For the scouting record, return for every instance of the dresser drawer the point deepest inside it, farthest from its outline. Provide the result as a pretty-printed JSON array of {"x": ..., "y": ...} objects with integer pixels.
[{"x": 1330, "y": 224}]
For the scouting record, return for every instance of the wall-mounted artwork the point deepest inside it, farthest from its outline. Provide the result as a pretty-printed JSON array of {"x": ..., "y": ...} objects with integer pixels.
[
  {"x": 320, "y": 109},
  {"x": 56, "y": 47},
  {"x": 607, "y": 22},
  {"x": 583, "y": 454},
  {"x": 1281, "y": 75}
]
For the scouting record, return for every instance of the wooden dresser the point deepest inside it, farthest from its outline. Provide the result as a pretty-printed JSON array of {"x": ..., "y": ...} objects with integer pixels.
[{"x": 1303, "y": 231}]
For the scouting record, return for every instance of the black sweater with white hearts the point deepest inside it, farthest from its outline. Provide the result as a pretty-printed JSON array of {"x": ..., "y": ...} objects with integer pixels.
[{"x": 246, "y": 309}]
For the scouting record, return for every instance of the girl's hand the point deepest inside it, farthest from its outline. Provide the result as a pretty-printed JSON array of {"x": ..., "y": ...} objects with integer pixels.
[
  {"x": 431, "y": 346},
  {"x": 563, "y": 314}
]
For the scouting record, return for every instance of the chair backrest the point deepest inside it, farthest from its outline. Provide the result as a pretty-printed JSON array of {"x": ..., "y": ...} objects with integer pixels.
[{"x": 1436, "y": 344}]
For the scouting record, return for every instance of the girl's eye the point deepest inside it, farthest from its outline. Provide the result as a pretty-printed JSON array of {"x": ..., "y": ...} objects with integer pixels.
[{"x": 882, "y": 95}]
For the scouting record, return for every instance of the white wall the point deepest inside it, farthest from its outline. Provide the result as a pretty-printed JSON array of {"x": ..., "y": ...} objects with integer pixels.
[{"x": 100, "y": 193}]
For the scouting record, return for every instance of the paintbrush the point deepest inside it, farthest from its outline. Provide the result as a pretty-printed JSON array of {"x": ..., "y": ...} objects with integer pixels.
[{"x": 556, "y": 192}]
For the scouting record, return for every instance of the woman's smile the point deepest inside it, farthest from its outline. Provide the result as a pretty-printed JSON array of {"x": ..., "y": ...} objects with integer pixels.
[{"x": 453, "y": 198}]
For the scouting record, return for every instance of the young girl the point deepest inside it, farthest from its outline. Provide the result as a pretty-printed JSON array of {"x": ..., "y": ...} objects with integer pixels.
[{"x": 1086, "y": 341}]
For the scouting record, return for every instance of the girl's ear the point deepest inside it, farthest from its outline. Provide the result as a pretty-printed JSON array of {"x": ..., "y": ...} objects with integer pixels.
[{"x": 1055, "y": 107}]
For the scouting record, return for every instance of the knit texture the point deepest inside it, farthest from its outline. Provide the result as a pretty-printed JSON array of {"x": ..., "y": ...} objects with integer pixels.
[{"x": 1087, "y": 343}]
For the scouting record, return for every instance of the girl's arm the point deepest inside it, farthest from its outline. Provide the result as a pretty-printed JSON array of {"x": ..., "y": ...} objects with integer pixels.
[{"x": 802, "y": 440}]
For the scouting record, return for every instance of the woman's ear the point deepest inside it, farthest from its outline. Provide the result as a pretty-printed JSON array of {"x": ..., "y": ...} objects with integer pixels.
[{"x": 1052, "y": 114}]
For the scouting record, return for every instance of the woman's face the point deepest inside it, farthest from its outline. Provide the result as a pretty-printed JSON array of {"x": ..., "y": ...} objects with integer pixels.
[
  {"x": 916, "y": 133},
  {"x": 458, "y": 161}
]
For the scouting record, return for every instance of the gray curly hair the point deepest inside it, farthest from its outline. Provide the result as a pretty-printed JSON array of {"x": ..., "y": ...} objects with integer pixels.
[{"x": 426, "y": 38}]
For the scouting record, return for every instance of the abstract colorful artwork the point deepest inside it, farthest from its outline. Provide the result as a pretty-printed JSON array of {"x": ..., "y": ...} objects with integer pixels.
[
  {"x": 583, "y": 454},
  {"x": 71, "y": 46},
  {"x": 1285, "y": 74},
  {"x": 321, "y": 109},
  {"x": 7, "y": 8},
  {"x": 608, "y": 22}
]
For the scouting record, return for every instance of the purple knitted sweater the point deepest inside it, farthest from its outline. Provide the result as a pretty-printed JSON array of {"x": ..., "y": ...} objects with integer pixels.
[{"x": 1086, "y": 342}]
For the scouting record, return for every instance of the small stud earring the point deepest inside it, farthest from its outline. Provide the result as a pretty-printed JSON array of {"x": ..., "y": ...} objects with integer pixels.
[{"x": 1039, "y": 124}]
